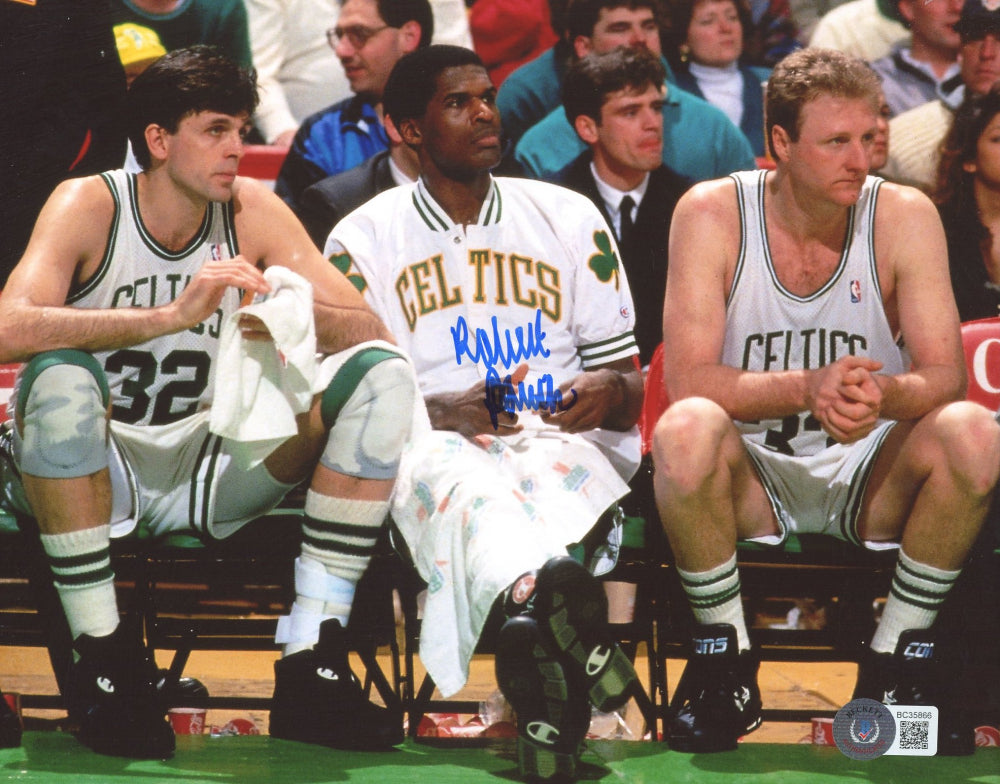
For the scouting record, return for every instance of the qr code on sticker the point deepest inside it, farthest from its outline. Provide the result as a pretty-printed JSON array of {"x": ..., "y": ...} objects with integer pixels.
[{"x": 913, "y": 734}]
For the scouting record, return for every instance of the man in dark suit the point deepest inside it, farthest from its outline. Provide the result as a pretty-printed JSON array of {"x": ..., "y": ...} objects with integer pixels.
[
  {"x": 322, "y": 205},
  {"x": 614, "y": 101}
]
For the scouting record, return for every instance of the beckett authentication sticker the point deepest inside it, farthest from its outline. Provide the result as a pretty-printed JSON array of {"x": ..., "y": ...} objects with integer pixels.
[
  {"x": 916, "y": 730},
  {"x": 864, "y": 729}
]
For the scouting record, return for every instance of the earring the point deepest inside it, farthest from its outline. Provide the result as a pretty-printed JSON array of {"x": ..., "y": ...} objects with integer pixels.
[{"x": 685, "y": 51}]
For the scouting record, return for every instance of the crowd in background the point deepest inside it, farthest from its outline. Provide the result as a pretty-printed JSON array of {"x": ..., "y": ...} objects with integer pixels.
[{"x": 65, "y": 88}]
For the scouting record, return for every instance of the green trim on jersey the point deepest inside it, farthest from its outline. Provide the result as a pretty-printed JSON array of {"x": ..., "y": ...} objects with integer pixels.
[
  {"x": 203, "y": 484},
  {"x": 430, "y": 211},
  {"x": 427, "y": 212},
  {"x": 603, "y": 351},
  {"x": 150, "y": 241},
  {"x": 871, "y": 237},
  {"x": 102, "y": 269}
]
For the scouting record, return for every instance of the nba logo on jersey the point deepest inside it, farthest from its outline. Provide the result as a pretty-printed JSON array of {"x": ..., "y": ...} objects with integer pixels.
[{"x": 855, "y": 291}]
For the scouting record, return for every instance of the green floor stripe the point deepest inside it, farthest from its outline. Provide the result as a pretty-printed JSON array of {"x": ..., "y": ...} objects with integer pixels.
[{"x": 56, "y": 758}]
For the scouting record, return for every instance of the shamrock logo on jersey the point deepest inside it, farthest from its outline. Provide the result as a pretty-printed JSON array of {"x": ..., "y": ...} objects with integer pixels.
[
  {"x": 605, "y": 262},
  {"x": 342, "y": 261}
]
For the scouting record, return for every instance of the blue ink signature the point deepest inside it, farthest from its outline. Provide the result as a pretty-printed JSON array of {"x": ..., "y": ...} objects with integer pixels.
[
  {"x": 491, "y": 352},
  {"x": 501, "y": 396},
  {"x": 508, "y": 350}
]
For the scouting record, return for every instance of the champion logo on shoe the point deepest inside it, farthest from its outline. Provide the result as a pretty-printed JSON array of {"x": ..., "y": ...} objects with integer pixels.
[
  {"x": 104, "y": 684},
  {"x": 327, "y": 674},
  {"x": 541, "y": 732},
  {"x": 597, "y": 659}
]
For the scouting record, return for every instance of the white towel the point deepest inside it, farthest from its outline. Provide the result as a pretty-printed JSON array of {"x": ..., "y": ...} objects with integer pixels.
[{"x": 260, "y": 386}]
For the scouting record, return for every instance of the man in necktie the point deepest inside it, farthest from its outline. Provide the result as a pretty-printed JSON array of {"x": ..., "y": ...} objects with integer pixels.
[{"x": 614, "y": 101}]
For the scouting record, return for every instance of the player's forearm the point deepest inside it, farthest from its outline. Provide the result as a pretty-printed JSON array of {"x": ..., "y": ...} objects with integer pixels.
[
  {"x": 338, "y": 328},
  {"x": 624, "y": 390},
  {"x": 912, "y": 395},
  {"x": 745, "y": 395},
  {"x": 27, "y": 331}
]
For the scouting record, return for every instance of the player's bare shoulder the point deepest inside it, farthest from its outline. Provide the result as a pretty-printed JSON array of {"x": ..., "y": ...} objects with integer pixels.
[
  {"x": 905, "y": 221},
  {"x": 707, "y": 216},
  {"x": 87, "y": 199},
  {"x": 73, "y": 225},
  {"x": 261, "y": 217},
  {"x": 250, "y": 196}
]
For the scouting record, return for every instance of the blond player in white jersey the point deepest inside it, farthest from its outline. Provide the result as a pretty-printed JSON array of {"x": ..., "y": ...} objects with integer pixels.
[
  {"x": 118, "y": 306},
  {"x": 793, "y": 408}
]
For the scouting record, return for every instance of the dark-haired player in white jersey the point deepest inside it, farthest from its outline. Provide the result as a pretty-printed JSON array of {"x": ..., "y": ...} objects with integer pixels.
[
  {"x": 794, "y": 408},
  {"x": 117, "y": 306}
]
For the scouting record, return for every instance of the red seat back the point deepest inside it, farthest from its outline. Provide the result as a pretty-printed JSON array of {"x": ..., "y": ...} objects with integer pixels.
[
  {"x": 7, "y": 375},
  {"x": 981, "y": 341},
  {"x": 655, "y": 401},
  {"x": 262, "y": 162}
]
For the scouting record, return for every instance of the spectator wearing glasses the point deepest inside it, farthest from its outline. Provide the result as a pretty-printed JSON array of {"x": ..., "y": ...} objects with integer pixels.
[
  {"x": 369, "y": 38},
  {"x": 296, "y": 74}
]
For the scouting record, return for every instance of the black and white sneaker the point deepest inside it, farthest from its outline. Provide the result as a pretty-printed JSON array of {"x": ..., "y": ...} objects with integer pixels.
[
  {"x": 553, "y": 712},
  {"x": 318, "y": 699},
  {"x": 111, "y": 697},
  {"x": 571, "y": 608},
  {"x": 717, "y": 700},
  {"x": 916, "y": 675}
]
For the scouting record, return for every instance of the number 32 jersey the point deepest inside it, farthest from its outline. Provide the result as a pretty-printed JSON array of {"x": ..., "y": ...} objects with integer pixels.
[
  {"x": 172, "y": 376},
  {"x": 768, "y": 328}
]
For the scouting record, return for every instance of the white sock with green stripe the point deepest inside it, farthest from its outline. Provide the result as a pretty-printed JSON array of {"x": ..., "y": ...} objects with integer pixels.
[
  {"x": 917, "y": 593},
  {"x": 338, "y": 539},
  {"x": 81, "y": 568},
  {"x": 714, "y": 596}
]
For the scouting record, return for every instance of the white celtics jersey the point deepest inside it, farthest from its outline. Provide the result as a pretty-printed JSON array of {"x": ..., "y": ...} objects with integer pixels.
[
  {"x": 536, "y": 279},
  {"x": 172, "y": 376},
  {"x": 770, "y": 329}
]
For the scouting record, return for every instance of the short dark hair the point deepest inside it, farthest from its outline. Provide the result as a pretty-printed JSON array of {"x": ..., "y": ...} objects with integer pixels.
[
  {"x": 807, "y": 74},
  {"x": 397, "y": 13},
  {"x": 413, "y": 80},
  {"x": 182, "y": 82},
  {"x": 591, "y": 79},
  {"x": 581, "y": 15}
]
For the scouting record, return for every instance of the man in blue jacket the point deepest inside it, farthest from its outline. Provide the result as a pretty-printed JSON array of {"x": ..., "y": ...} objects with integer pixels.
[{"x": 370, "y": 37}]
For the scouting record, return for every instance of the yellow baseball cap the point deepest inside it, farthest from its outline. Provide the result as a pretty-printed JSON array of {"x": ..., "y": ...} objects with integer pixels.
[{"x": 137, "y": 44}]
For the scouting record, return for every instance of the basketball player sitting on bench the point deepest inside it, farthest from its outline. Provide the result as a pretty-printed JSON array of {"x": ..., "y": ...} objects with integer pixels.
[{"x": 117, "y": 306}]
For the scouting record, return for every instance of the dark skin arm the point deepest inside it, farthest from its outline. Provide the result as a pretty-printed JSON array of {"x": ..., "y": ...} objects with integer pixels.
[{"x": 609, "y": 396}]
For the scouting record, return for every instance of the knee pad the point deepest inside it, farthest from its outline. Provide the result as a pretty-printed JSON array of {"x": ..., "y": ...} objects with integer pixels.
[
  {"x": 62, "y": 401},
  {"x": 368, "y": 408}
]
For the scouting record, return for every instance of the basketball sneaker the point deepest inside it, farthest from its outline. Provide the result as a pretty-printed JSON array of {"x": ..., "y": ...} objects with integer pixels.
[
  {"x": 553, "y": 713},
  {"x": 717, "y": 700},
  {"x": 571, "y": 608},
  {"x": 111, "y": 697},
  {"x": 318, "y": 699},
  {"x": 915, "y": 675}
]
